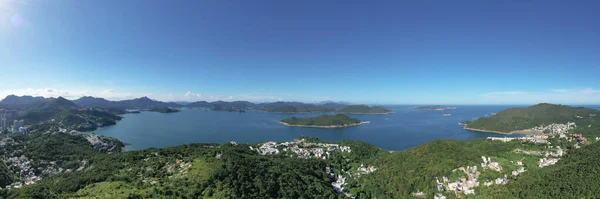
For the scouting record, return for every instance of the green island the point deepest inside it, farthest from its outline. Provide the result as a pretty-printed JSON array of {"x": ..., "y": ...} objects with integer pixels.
[
  {"x": 364, "y": 109},
  {"x": 59, "y": 161},
  {"x": 164, "y": 110},
  {"x": 536, "y": 118},
  {"x": 323, "y": 121},
  {"x": 434, "y": 108}
]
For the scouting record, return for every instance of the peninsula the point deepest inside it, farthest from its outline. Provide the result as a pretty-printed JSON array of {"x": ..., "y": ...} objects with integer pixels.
[
  {"x": 323, "y": 121},
  {"x": 530, "y": 119},
  {"x": 434, "y": 108}
]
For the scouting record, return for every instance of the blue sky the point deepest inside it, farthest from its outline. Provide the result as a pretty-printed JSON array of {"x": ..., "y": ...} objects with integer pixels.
[{"x": 392, "y": 52}]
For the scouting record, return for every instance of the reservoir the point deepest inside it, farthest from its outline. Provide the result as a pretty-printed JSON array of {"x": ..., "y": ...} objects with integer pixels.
[{"x": 396, "y": 131}]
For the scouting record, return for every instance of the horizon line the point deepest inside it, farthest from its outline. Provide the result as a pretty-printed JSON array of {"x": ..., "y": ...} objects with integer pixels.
[{"x": 326, "y": 101}]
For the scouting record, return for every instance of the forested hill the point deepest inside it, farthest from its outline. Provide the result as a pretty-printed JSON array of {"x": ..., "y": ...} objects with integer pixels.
[
  {"x": 338, "y": 120},
  {"x": 515, "y": 119}
]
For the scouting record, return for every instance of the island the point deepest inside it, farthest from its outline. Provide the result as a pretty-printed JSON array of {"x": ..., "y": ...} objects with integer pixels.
[
  {"x": 164, "y": 110},
  {"x": 434, "y": 108},
  {"x": 364, "y": 109},
  {"x": 540, "y": 118},
  {"x": 323, "y": 121}
]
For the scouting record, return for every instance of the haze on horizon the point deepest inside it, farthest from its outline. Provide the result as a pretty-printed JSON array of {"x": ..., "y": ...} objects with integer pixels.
[{"x": 459, "y": 52}]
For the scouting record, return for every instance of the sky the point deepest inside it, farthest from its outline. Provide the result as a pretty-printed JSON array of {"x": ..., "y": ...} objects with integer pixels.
[{"x": 378, "y": 52}]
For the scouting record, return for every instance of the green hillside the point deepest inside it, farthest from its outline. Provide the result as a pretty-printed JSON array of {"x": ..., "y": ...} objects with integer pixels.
[
  {"x": 576, "y": 176},
  {"x": 323, "y": 120},
  {"x": 515, "y": 119}
]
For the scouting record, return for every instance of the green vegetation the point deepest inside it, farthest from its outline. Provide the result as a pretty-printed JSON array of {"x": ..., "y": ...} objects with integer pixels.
[
  {"x": 576, "y": 176},
  {"x": 516, "y": 119},
  {"x": 338, "y": 120},
  {"x": 415, "y": 169},
  {"x": 163, "y": 110},
  {"x": 234, "y": 171},
  {"x": 75, "y": 119},
  {"x": 364, "y": 109},
  {"x": 48, "y": 110},
  {"x": 187, "y": 171}
]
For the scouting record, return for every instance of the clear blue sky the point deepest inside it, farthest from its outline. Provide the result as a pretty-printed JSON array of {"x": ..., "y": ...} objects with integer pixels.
[{"x": 400, "y": 52}]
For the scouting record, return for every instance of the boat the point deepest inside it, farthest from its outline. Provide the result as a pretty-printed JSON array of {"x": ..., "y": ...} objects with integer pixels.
[{"x": 447, "y": 114}]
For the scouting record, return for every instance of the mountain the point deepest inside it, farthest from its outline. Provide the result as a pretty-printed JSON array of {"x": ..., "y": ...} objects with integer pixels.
[
  {"x": 91, "y": 102},
  {"x": 48, "y": 110},
  {"x": 13, "y": 99},
  {"x": 138, "y": 103},
  {"x": 517, "y": 119},
  {"x": 233, "y": 105},
  {"x": 200, "y": 104},
  {"x": 59, "y": 103},
  {"x": 24, "y": 102},
  {"x": 364, "y": 109},
  {"x": 334, "y": 105}
]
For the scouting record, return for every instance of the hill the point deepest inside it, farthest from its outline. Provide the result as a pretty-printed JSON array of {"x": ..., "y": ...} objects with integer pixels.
[
  {"x": 324, "y": 121},
  {"x": 364, "y": 109},
  {"x": 200, "y": 104},
  {"x": 61, "y": 113},
  {"x": 334, "y": 105},
  {"x": 48, "y": 110},
  {"x": 144, "y": 103},
  {"x": 235, "y": 105},
  {"x": 94, "y": 102},
  {"x": 575, "y": 176},
  {"x": 137, "y": 103},
  {"x": 517, "y": 119},
  {"x": 413, "y": 170},
  {"x": 23, "y": 102}
]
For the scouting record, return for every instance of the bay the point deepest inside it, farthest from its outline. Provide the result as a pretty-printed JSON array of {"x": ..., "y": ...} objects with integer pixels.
[{"x": 397, "y": 131}]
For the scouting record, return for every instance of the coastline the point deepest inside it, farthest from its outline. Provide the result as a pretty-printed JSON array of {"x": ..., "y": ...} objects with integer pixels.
[
  {"x": 526, "y": 131},
  {"x": 325, "y": 127}
]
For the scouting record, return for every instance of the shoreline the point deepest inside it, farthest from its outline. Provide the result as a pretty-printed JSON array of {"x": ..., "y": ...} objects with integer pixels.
[
  {"x": 325, "y": 127},
  {"x": 527, "y": 131}
]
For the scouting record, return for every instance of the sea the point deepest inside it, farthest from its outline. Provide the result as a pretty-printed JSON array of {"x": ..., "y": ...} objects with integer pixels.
[{"x": 401, "y": 130}]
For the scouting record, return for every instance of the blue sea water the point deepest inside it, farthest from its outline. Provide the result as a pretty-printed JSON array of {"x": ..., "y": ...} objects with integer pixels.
[{"x": 397, "y": 131}]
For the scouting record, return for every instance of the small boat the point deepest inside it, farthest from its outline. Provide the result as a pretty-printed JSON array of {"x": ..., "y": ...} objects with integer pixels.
[{"x": 447, "y": 114}]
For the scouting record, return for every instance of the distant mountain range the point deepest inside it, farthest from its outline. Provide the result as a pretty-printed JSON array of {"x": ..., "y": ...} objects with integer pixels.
[
  {"x": 137, "y": 103},
  {"x": 30, "y": 103}
]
